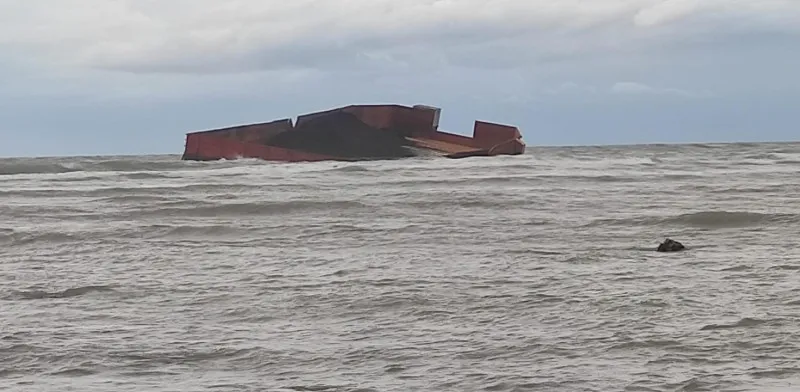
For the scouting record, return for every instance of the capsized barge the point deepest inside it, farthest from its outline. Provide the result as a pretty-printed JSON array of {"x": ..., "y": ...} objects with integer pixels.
[{"x": 352, "y": 133}]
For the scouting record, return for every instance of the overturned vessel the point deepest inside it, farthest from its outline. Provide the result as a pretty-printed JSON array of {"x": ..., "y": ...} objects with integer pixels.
[{"x": 351, "y": 133}]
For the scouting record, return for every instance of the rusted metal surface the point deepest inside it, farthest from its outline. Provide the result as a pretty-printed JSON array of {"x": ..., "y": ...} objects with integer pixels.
[
  {"x": 212, "y": 147},
  {"x": 489, "y": 134},
  {"x": 418, "y": 124},
  {"x": 259, "y": 133},
  {"x": 438, "y": 145}
]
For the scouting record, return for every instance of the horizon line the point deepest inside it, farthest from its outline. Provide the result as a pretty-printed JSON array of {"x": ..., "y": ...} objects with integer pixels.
[{"x": 540, "y": 146}]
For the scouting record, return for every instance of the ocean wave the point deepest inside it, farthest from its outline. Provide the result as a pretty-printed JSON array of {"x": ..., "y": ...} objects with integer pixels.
[
  {"x": 18, "y": 166},
  {"x": 703, "y": 219},
  {"x": 312, "y": 231},
  {"x": 76, "y": 179},
  {"x": 250, "y": 209},
  {"x": 136, "y": 175},
  {"x": 146, "y": 175},
  {"x": 73, "y": 372},
  {"x": 515, "y": 179},
  {"x": 128, "y": 165},
  {"x": 599, "y": 178},
  {"x": 709, "y": 146},
  {"x": 463, "y": 202},
  {"x": 744, "y": 189},
  {"x": 15, "y": 238},
  {"x": 724, "y": 219},
  {"x": 146, "y": 198},
  {"x": 205, "y": 233},
  {"x": 14, "y": 168},
  {"x": 746, "y": 322},
  {"x": 348, "y": 169},
  {"x": 193, "y": 231},
  {"x": 165, "y": 357},
  {"x": 68, "y": 293},
  {"x": 220, "y": 189}
]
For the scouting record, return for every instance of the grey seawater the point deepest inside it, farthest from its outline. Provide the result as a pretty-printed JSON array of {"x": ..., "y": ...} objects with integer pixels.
[{"x": 527, "y": 273}]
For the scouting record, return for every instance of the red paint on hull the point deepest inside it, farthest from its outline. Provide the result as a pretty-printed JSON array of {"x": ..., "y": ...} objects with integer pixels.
[{"x": 417, "y": 124}]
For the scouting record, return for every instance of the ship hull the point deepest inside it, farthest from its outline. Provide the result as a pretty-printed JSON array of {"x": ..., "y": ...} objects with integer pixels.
[{"x": 353, "y": 133}]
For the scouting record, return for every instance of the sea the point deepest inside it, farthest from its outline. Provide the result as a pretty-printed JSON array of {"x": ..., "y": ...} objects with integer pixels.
[{"x": 535, "y": 272}]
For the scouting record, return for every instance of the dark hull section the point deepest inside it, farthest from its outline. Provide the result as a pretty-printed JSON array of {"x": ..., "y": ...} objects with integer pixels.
[{"x": 353, "y": 133}]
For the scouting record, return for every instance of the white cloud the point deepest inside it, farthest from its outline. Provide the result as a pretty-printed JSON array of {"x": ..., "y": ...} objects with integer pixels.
[{"x": 205, "y": 36}]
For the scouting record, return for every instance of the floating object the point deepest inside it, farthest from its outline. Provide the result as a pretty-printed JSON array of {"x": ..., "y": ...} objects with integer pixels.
[
  {"x": 670, "y": 245},
  {"x": 353, "y": 133}
]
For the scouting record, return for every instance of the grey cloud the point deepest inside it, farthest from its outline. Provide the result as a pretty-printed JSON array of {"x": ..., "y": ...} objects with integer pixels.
[
  {"x": 204, "y": 36},
  {"x": 525, "y": 51}
]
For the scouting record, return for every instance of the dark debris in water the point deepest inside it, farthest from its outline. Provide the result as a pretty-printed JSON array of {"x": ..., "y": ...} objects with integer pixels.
[{"x": 670, "y": 245}]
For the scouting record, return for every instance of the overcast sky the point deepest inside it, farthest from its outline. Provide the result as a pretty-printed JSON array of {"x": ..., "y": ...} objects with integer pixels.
[{"x": 133, "y": 76}]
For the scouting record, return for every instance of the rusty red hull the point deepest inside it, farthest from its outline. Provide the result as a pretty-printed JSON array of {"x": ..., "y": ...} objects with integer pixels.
[{"x": 355, "y": 132}]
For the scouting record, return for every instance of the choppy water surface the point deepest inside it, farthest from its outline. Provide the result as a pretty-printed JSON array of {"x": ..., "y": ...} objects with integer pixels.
[{"x": 499, "y": 274}]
